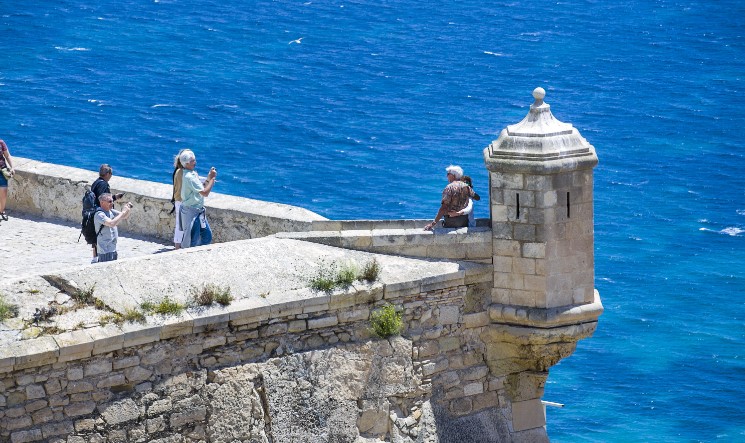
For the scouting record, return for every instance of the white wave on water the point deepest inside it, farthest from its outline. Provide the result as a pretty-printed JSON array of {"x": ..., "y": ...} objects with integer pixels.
[
  {"x": 161, "y": 105},
  {"x": 731, "y": 231},
  {"x": 496, "y": 54},
  {"x": 62, "y": 48},
  {"x": 741, "y": 211}
]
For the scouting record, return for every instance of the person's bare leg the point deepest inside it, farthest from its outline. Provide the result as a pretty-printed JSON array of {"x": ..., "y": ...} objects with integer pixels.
[{"x": 3, "y": 198}]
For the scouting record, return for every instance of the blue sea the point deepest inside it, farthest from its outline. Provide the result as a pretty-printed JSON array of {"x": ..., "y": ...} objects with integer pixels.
[{"x": 354, "y": 108}]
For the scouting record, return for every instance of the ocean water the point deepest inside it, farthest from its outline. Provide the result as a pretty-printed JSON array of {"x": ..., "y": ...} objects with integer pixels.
[{"x": 354, "y": 108}]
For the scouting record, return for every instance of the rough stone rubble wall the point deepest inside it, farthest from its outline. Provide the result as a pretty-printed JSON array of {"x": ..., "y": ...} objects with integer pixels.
[{"x": 311, "y": 377}]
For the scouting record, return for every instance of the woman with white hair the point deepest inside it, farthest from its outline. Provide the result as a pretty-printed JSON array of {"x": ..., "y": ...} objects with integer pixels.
[
  {"x": 6, "y": 165},
  {"x": 176, "y": 178},
  {"x": 193, "y": 216}
]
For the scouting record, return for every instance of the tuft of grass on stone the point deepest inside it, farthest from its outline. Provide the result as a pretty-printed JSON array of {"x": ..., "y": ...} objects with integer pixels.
[
  {"x": 84, "y": 296},
  {"x": 386, "y": 321},
  {"x": 164, "y": 307},
  {"x": 325, "y": 278},
  {"x": 133, "y": 315},
  {"x": 335, "y": 275},
  {"x": 7, "y": 310},
  {"x": 130, "y": 315},
  {"x": 346, "y": 274},
  {"x": 370, "y": 272},
  {"x": 115, "y": 318},
  {"x": 33, "y": 291},
  {"x": 211, "y": 293}
]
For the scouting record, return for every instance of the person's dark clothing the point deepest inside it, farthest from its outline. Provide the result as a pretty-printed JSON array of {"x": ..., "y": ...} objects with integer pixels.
[{"x": 100, "y": 186}]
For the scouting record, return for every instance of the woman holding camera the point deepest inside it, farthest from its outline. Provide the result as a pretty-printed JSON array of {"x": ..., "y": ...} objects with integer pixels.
[
  {"x": 193, "y": 215},
  {"x": 7, "y": 171}
]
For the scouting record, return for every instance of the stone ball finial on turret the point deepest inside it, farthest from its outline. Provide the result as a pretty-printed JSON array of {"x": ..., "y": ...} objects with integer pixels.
[
  {"x": 539, "y": 143},
  {"x": 538, "y": 94}
]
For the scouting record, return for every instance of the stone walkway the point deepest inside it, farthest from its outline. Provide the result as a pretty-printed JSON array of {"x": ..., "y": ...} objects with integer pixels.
[{"x": 32, "y": 246}]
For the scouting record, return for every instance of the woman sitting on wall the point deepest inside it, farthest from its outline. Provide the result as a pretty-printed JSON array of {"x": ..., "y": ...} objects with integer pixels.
[{"x": 7, "y": 171}]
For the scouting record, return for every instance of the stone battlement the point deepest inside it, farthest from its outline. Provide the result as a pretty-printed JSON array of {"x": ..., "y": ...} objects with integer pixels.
[{"x": 486, "y": 312}]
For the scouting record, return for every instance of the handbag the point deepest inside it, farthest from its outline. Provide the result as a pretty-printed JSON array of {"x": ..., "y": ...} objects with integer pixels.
[{"x": 6, "y": 173}]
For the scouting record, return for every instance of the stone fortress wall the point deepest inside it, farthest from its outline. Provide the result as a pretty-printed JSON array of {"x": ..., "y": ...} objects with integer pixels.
[
  {"x": 55, "y": 192},
  {"x": 483, "y": 322}
]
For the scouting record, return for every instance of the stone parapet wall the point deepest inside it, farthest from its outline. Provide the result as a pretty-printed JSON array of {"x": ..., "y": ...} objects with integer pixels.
[
  {"x": 307, "y": 370},
  {"x": 472, "y": 244},
  {"x": 55, "y": 191}
]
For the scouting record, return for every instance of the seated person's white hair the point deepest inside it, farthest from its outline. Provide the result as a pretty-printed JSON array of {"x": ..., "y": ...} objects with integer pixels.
[
  {"x": 457, "y": 171},
  {"x": 186, "y": 156}
]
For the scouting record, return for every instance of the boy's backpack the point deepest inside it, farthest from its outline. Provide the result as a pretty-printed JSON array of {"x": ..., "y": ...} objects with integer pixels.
[{"x": 87, "y": 226}]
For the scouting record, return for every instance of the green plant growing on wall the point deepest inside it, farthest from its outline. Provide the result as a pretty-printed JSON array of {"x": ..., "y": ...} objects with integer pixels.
[
  {"x": 130, "y": 315},
  {"x": 335, "y": 275},
  {"x": 325, "y": 278},
  {"x": 164, "y": 307},
  {"x": 7, "y": 310},
  {"x": 386, "y": 321},
  {"x": 84, "y": 296},
  {"x": 370, "y": 272},
  {"x": 346, "y": 274},
  {"x": 209, "y": 293}
]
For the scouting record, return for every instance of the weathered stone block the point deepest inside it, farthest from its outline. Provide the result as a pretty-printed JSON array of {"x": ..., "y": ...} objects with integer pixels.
[
  {"x": 137, "y": 374},
  {"x": 26, "y": 436},
  {"x": 461, "y": 406},
  {"x": 78, "y": 409},
  {"x": 126, "y": 362},
  {"x": 113, "y": 380},
  {"x": 85, "y": 425},
  {"x": 473, "y": 389},
  {"x": 323, "y": 322},
  {"x": 97, "y": 367},
  {"x": 196, "y": 414},
  {"x": 527, "y": 415},
  {"x": 120, "y": 411},
  {"x": 75, "y": 387},
  {"x": 55, "y": 429},
  {"x": 273, "y": 329},
  {"x": 34, "y": 392},
  {"x": 36, "y": 405}
]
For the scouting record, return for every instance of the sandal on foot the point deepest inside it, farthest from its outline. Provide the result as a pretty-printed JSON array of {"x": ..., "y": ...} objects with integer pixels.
[{"x": 4, "y": 216}]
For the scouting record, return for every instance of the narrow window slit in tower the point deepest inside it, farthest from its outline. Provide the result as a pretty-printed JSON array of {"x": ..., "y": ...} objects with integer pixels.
[
  {"x": 518, "y": 205},
  {"x": 568, "y": 205}
]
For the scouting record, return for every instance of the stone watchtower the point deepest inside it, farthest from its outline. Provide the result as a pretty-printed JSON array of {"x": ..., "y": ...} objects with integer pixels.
[{"x": 543, "y": 297}]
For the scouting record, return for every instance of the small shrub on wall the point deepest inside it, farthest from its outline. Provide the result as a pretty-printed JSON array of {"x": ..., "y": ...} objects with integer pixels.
[{"x": 386, "y": 321}]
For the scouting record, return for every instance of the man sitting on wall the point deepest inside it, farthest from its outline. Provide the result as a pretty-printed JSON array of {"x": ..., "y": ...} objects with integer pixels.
[{"x": 454, "y": 198}]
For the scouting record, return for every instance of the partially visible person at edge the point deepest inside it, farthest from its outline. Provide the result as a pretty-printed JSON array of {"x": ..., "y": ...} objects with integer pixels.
[
  {"x": 469, "y": 208},
  {"x": 6, "y": 165},
  {"x": 454, "y": 198},
  {"x": 194, "y": 222},
  {"x": 101, "y": 186},
  {"x": 176, "y": 178},
  {"x": 108, "y": 217}
]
